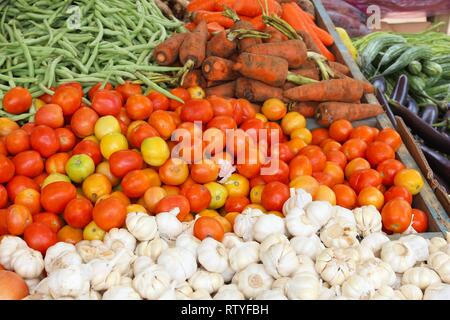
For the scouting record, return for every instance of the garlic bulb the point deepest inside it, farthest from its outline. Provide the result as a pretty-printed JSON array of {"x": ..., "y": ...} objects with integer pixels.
[
  {"x": 418, "y": 245},
  {"x": 169, "y": 226},
  {"x": 280, "y": 283},
  {"x": 305, "y": 264},
  {"x": 230, "y": 240},
  {"x": 376, "y": 272},
  {"x": 299, "y": 199},
  {"x": 327, "y": 293},
  {"x": 266, "y": 225},
  {"x": 180, "y": 261},
  {"x": 410, "y": 292},
  {"x": 200, "y": 294},
  {"x": 119, "y": 238},
  {"x": 244, "y": 222},
  {"x": 9, "y": 245},
  {"x": 183, "y": 290},
  {"x": 126, "y": 281},
  {"x": 303, "y": 286},
  {"x": 121, "y": 293},
  {"x": 188, "y": 242},
  {"x": 374, "y": 242},
  {"x": 68, "y": 282},
  {"x": 298, "y": 224},
  {"x": 229, "y": 292},
  {"x": 437, "y": 291},
  {"x": 123, "y": 261},
  {"x": 243, "y": 254},
  {"x": 277, "y": 256},
  {"x": 421, "y": 277},
  {"x": 228, "y": 274},
  {"x": 357, "y": 287},
  {"x": 152, "y": 248},
  {"x": 398, "y": 255},
  {"x": 103, "y": 277},
  {"x": 142, "y": 226},
  {"x": 384, "y": 293},
  {"x": 169, "y": 293},
  {"x": 32, "y": 283},
  {"x": 61, "y": 255},
  {"x": 336, "y": 265},
  {"x": 310, "y": 246},
  {"x": 141, "y": 264},
  {"x": 368, "y": 220},
  {"x": 41, "y": 288},
  {"x": 253, "y": 280},
  {"x": 209, "y": 281},
  {"x": 152, "y": 283},
  {"x": 339, "y": 233},
  {"x": 89, "y": 250},
  {"x": 440, "y": 262},
  {"x": 319, "y": 212},
  {"x": 344, "y": 213},
  {"x": 212, "y": 255},
  {"x": 27, "y": 263},
  {"x": 271, "y": 294},
  {"x": 38, "y": 296},
  {"x": 436, "y": 244},
  {"x": 91, "y": 295}
]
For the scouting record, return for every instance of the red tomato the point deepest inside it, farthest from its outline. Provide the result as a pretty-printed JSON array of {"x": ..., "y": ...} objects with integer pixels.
[
  {"x": 3, "y": 223},
  {"x": 248, "y": 111},
  {"x": 40, "y": 237},
  {"x": 181, "y": 93},
  {"x": 204, "y": 171},
  {"x": 17, "y": 219},
  {"x": 236, "y": 204},
  {"x": 50, "y": 115},
  {"x": 345, "y": 196},
  {"x": 324, "y": 179},
  {"x": 107, "y": 102},
  {"x": 28, "y": 127},
  {"x": 128, "y": 89},
  {"x": 337, "y": 157},
  {"x": 57, "y": 163},
  {"x": 7, "y": 169},
  {"x": 66, "y": 139},
  {"x": 283, "y": 152},
  {"x": 163, "y": 122},
  {"x": 44, "y": 140},
  {"x": 68, "y": 98},
  {"x": 159, "y": 101},
  {"x": 135, "y": 183},
  {"x": 29, "y": 198},
  {"x": 274, "y": 195},
  {"x": 316, "y": 156},
  {"x": 3, "y": 197},
  {"x": 56, "y": 195},
  {"x": 18, "y": 184},
  {"x": 274, "y": 130},
  {"x": 83, "y": 122},
  {"x": 257, "y": 181},
  {"x": 420, "y": 220},
  {"x": 319, "y": 135},
  {"x": 252, "y": 124},
  {"x": 365, "y": 133},
  {"x": 74, "y": 85},
  {"x": 205, "y": 227},
  {"x": 396, "y": 215},
  {"x": 378, "y": 152},
  {"x": 198, "y": 196},
  {"x": 300, "y": 166},
  {"x": 340, "y": 130},
  {"x": 388, "y": 169},
  {"x": 278, "y": 170},
  {"x": 354, "y": 148},
  {"x": 390, "y": 137},
  {"x": 17, "y": 100},
  {"x": 51, "y": 220},
  {"x": 95, "y": 88},
  {"x": 173, "y": 201},
  {"x": 398, "y": 192},
  {"x": 122, "y": 162},
  {"x": 3, "y": 150},
  {"x": 78, "y": 212},
  {"x": 141, "y": 132},
  {"x": 237, "y": 111},
  {"x": 139, "y": 107},
  {"x": 221, "y": 106},
  {"x": 222, "y": 122},
  {"x": 109, "y": 213},
  {"x": 28, "y": 163},
  {"x": 17, "y": 141},
  {"x": 364, "y": 178},
  {"x": 197, "y": 110},
  {"x": 89, "y": 148}
]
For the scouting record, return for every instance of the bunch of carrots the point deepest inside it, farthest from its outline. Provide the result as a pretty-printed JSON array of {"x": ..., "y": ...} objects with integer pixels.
[{"x": 286, "y": 57}]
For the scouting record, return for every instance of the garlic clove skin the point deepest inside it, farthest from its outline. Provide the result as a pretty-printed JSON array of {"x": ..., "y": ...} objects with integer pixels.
[
  {"x": 368, "y": 220},
  {"x": 230, "y": 240},
  {"x": 9, "y": 245},
  {"x": 421, "y": 277},
  {"x": 440, "y": 262},
  {"x": 271, "y": 294},
  {"x": 298, "y": 224},
  {"x": 61, "y": 255},
  {"x": 277, "y": 256},
  {"x": 141, "y": 264},
  {"x": 180, "y": 261},
  {"x": 374, "y": 242},
  {"x": 200, "y": 294},
  {"x": 243, "y": 254},
  {"x": 169, "y": 226},
  {"x": 27, "y": 263},
  {"x": 121, "y": 292},
  {"x": 310, "y": 246},
  {"x": 142, "y": 226},
  {"x": 280, "y": 283},
  {"x": 336, "y": 265},
  {"x": 244, "y": 222},
  {"x": 410, "y": 292},
  {"x": 299, "y": 199},
  {"x": 436, "y": 244},
  {"x": 152, "y": 248},
  {"x": 267, "y": 225},
  {"x": 437, "y": 291},
  {"x": 303, "y": 287},
  {"x": 253, "y": 280},
  {"x": 68, "y": 282},
  {"x": 188, "y": 242},
  {"x": 384, "y": 293},
  {"x": 418, "y": 245},
  {"x": 208, "y": 281},
  {"x": 212, "y": 255},
  {"x": 229, "y": 292},
  {"x": 152, "y": 283},
  {"x": 319, "y": 212},
  {"x": 377, "y": 273},
  {"x": 398, "y": 255},
  {"x": 344, "y": 214},
  {"x": 357, "y": 287},
  {"x": 119, "y": 238},
  {"x": 339, "y": 233}
]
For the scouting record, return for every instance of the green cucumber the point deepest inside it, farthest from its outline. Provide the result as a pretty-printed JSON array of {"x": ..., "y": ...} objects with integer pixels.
[
  {"x": 415, "y": 67},
  {"x": 414, "y": 53},
  {"x": 432, "y": 69}
]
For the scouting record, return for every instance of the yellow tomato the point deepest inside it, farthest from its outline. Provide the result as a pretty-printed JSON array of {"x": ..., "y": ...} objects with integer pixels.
[
  {"x": 155, "y": 151},
  {"x": 274, "y": 109},
  {"x": 324, "y": 193},
  {"x": 226, "y": 225},
  {"x": 208, "y": 213},
  {"x": 96, "y": 186},
  {"x": 231, "y": 216},
  {"x": 54, "y": 177},
  {"x": 219, "y": 195},
  {"x": 93, "y": 232},
  {"x": 410, "y": 179},
  {"x": 255, "y": 194},
  {"x": 237, "y": 185},
  {"x": 38, "y": 103},
  {"x": 261, "y": 117},
  {"x": 308, "y": 183},
  {"x": 92, "y": 138},
  {"x": 196, "y": 92},
  {"x": 106, "y": 125},
  {"x": 79, "y": 167},
  {"x": 104, "y": 169},
  {"x": 291, "y": 121},
  {"x": 371, "y": 196},
  {"x": 111, "y": 143},
  {"x": 303, "y": 134},
  {"x": 136, "y": 208}
]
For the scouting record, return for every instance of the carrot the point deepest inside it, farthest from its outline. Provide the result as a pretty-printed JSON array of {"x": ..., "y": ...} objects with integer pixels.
[
  {"x": 293, "y": 51},
  {"x": 166, "y": 53},
  {"x": 252, "y": 8},
  {"x": 221, "y": 4},
  {"x": 211, "y": 17},
  {"x": 307, "y": 109},
  {"x": 275, "y": 35},
  {"x": 213, "y": 28},
  {"x": 218, "y": 69},
  {"x": 225, "y": 90},
  {"x": 245, "y": 18},
  {"x": 336, "y": 66},
  {"x": 295, "y": 16},
  {"x": 331, "y": 111},
  {"x": 190, "y": 26},
  {"x": 220, "y": 46},
  {"x": 256, "y": 91},
  {"x": 312, "y": 73},
  {"x": 342, "y": 90},
  {"x": 310, "y": 44},
  {"x": 270, "y": 70},
  {"x": 193, "y": 79},
  {"x": 258, "y": 23},
  {"x": 194, "y": 45},
  {"x": 196, "y": 5},
  {"x": 213, "y": 83},
  {"x": 324, "y": 36},
  {"x": 247, "y": 42}
]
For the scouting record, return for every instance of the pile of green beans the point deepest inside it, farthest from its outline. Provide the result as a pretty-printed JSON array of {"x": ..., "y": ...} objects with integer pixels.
[{"x": 44, "y": 43}]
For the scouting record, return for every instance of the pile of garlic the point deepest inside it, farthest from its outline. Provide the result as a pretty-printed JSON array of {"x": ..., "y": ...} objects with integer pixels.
[{"x": 317, "y": 251}]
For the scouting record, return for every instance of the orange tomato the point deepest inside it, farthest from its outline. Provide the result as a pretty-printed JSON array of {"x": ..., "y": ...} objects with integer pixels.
[
  {"x": 174, "y": 201},
  {"x": 371, "y": 196},
  {"x": 340, "y": 130},
  {"x": 29, "y": 198},
  {"x": 208, "y": 227},
  {"x": 364, "y": 133},
  {"x": 119, "y": 195},
  {"x": 364, "y": 178},
  {"x": 316, "y": 156},
  {"x": 70, "y": 235},
  {"x": 109, "y": 213},
  {"x": 302, "y": 133},
  {"x": 325, "y": 193},
  {"x": 319, "y": 135},
  {"x": 337, "y": 157},
  {"x": 135, "y": 183},
  {"x": 163, "y": 122},
  {"x": 231, "y": 216},
  {"x": 345, "y": 196},
  {"x": 171, "y": 190},
  {"x": 256, "y": 193},
  {"x": 236, "y": 204},
  {"x": 308, "y": 183},
  {"x": 152, "y": 196},
  {"x": 388, "y": 169},
  {"x": 226, "y": 225},
  {"x": 18, "y": 219},
  {"x": 204, "y": 171},
  {"x": 136, "y": 208},
  {"x": 378, "y": 152},
  {"x": 356, "y": 165},
  {"x": 330, "y": 144},
  {"x": 296, "y": 145},
  {"x": 96, "y": 186},
  {"x": 335, "y": 171},
  {"x": 291, "y": 121},
  {"x": 398, "y": 192},
  {"x": 208, "y": 213},
  {"x": 390, "y": 137},
  {"x": 174, "y": 172},
  {"x": 410, "y": 179},
  {"x": 396, "y": 215},
  {"x": 274, "y": 109},
  {"x": 57, "y": 163},
  {"x": 198, "y": 196},
  {"x": 324, "y": 179},
  {"x": 153, "y": 177},
  {"x": 354, "y": 148},
  {"x": 104, "y": 169}
]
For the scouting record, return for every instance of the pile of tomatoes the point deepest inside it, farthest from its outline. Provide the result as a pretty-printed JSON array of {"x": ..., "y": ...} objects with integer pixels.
[{"x": 77, "y": 170}]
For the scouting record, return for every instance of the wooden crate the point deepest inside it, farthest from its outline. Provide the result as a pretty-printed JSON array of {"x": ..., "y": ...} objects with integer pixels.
[{"x": 439, "y": 221}]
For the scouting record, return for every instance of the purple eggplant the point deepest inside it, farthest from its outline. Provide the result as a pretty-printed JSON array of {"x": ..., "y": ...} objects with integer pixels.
[
  {"x": 411, "y": 104},
  {"x": 382, "y": 98},
  {"x": 400, "y": 92},
  {"x": 379, "y": 82},
  {"x": 444, "y": 124},
  {"x": 430, "y": 114},
  {"x": 439, "y": 162}
]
